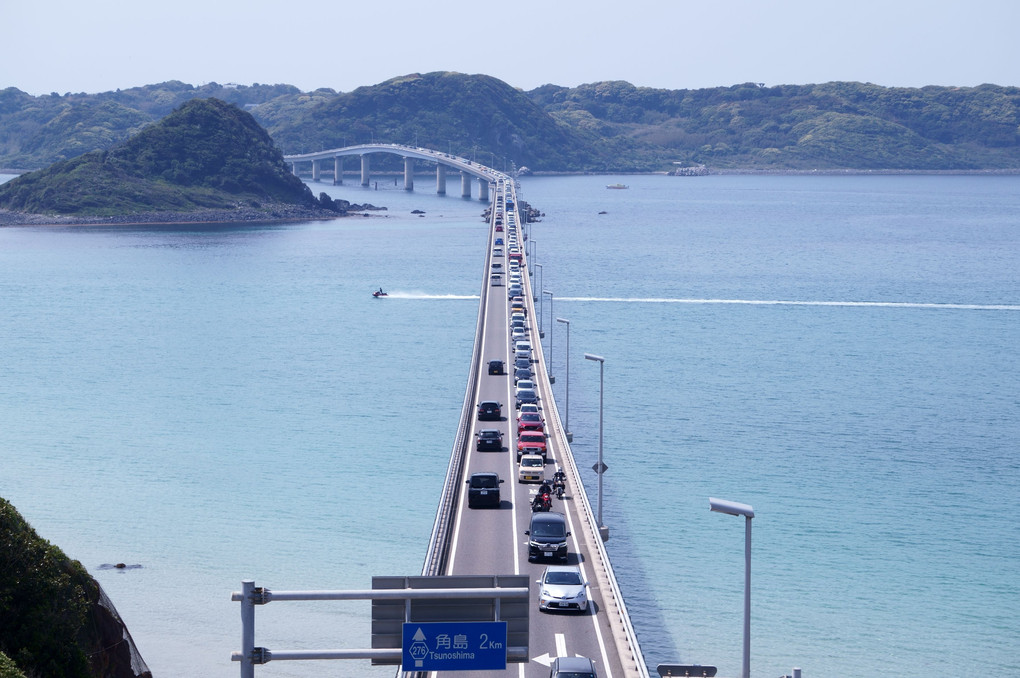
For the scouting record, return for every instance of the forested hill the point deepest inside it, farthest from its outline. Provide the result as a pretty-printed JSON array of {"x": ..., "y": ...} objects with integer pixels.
[
  {"x": 606, "y": 126},
  {"x": 205, "y": 155}
]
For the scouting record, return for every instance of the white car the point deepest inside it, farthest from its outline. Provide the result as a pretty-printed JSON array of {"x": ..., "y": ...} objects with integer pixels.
[
  {"x": 532, "y": 469},
  {"x": 530, "y": 407},
  {"x": 525, "y": 383},
  {"x": 562, "y": 588}
]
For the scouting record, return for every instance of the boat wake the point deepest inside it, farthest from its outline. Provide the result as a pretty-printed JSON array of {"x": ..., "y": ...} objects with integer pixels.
[
  {"x": 425, "y": 295},
  {"x": 781, "y": 302}
]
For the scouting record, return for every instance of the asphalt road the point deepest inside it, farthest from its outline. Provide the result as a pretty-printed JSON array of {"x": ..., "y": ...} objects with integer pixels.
[{"x": 492, "y": 541}]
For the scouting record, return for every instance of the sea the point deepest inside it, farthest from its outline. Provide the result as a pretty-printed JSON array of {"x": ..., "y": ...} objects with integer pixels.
[{"x": 213, "y": 403}]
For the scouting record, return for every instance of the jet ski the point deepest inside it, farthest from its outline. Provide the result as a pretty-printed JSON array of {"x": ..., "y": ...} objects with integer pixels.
[{"x": 379, "y": 293}]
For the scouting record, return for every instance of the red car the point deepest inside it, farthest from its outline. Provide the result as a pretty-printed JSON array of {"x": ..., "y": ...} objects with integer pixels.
[
  {"x": 530, "y": 442},
  {"x": 530, "y": 421}
]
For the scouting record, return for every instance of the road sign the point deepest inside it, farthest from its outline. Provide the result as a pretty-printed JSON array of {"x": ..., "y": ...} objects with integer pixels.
[
  {"x": 454, "y": 646},
  {"x": 600, "y": 469}
]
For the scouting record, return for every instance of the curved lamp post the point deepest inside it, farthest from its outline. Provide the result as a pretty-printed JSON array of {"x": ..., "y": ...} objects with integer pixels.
[
  {"x": 570, "y": 436},
  {"x": 539, "y": 299},
  {"x": 549, "y": 364},
  {"x": 735, "y": 509},
  {"x": 600, "y": 468}
]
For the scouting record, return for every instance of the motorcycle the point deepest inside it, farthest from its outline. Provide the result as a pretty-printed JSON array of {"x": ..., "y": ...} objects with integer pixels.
[
  {"x": 559, "y": 484},
  {"x": 542, "y": 502}
]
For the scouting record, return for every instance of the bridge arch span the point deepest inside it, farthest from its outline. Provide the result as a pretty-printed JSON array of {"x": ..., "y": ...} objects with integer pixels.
[{"x": 443, "y": 161}]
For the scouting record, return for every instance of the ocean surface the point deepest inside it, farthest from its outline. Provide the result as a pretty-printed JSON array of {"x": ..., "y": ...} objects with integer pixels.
[{"x": 217, "y": 403}]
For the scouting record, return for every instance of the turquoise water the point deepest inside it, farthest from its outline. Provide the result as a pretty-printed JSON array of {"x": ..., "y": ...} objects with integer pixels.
[{"x": 220, "y": 403}]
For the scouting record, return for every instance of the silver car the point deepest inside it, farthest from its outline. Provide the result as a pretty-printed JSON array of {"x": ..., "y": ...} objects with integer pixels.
[{"x": 562, "y": 588}]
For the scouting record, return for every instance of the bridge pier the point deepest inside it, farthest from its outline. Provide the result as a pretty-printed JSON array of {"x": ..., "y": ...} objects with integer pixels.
[
  {"x": 408, "y": 174},
  {"x": 338, "y": 170},
  {"x": 465, "y": 185},
  {"x": 483, "y": 189},
  {"x": 366, "y": 173},
  {"x": 316, "y": 168},
  {"x": 441, "y": 179}
]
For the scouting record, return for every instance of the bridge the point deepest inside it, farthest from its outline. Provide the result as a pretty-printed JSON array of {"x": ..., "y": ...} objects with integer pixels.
[
  {"x": 467, "y": 542},
  {"x": 443, "y": 162},
  {"x": 493, "y": 541}
]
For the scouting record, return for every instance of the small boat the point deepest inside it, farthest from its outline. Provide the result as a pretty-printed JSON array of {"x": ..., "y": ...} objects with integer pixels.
[
  {"x": 617, "y": 186},
  {"x": 379, "y": 293}
]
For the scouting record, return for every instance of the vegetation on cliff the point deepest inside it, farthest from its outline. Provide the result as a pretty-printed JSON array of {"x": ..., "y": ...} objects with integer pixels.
[
  {"x": 604, "y": 126},
  {"x": 51, "y": 621},
  {"x": 205, "y": 155}
]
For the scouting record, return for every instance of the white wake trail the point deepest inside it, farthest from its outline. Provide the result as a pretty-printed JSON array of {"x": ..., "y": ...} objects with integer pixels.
[
  {"x": 782, "y": 302},
  {"x": 425, "y": 295}
]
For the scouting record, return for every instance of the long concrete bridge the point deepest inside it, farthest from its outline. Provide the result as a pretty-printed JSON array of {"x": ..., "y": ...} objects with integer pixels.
[
  {"x": 491, "y": 543},
  {"x": 443, "y": 162},
  {"x": 469, "y": 541}
]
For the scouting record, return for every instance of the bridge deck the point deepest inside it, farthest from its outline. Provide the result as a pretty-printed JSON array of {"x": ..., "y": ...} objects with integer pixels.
[{"x": 492, "y": 541}]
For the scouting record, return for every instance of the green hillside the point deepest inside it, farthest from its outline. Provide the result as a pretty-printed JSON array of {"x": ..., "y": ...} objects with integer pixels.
[
  {"x": 52, "y": 623},
  {"x": 600, "y": 127},
  {"x": 206, "y": 155}
]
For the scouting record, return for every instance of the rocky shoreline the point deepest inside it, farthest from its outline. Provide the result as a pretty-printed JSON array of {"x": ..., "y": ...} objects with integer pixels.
[{"x": 241, "y": 214}]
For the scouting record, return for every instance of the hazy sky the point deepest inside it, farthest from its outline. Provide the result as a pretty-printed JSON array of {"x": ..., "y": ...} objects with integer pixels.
[{"x": 99, "y": 45}]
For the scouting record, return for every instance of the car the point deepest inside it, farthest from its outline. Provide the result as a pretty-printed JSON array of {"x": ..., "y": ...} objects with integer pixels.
[
  {"x": 522, "y": 361},
  {"x": 562, "y": 588},
  {"x": 490, "y": 410},
  {"x": 496, "y": 280},
  {"x": 489, "y": 439},
  {"x": 497, "y": 367},
  {"x": 526, "y": 383},
  {"x": 530, "y": 442},
  {"x": 499, "y": 241},
  {"x": 529, "y": 407},
  {"x": 547, "y": 536},
  {"x": 518, "y": 334},
  {"x": 497, "y": 252},
  {"x": 518, "y": 323},
  {"x": 513, "y": 290},
  {"x": 531, "y": 469},
  {"x": 499, "y": 228},
  {"x": 526, "y": 395},
  {"x": 483, "y": 489},
  {"x": 530, "y": 421},
  {"x": 522, "y": 373},
  {"x": 522, "y": 349},
  {"x": 572, "y": 667}
]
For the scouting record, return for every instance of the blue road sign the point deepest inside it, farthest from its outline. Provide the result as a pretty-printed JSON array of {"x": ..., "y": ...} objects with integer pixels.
[{"x": 454, "y": 646}]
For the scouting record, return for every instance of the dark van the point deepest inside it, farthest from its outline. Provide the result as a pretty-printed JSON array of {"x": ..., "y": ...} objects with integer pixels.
[{"x": 547, "y": 536}]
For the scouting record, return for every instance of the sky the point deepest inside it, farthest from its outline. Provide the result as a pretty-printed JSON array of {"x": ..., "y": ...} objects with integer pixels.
[{"x": 101, "y": 45}]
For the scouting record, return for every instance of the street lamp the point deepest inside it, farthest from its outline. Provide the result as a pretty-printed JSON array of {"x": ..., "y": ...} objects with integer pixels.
[
  {"x": 549, "y": 365},
  {"x": 734, "y": 509},
  {"x": 570, "y": 436},
  {"x": 541, "y": 276},
  {"x": 599, "y": 467}
]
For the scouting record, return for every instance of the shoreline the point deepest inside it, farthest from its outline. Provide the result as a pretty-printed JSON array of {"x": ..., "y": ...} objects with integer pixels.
[{"x": 271, "y": 214}]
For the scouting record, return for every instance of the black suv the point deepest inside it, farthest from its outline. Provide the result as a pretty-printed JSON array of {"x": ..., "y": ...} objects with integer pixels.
[
  {"x": 483, "y": 489},
  {"x": 496, "y": 367},
  {"x": 489, "y": 439},
  {"x": 547, "y": 537},
  {"x": 490, "y": 410}
]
